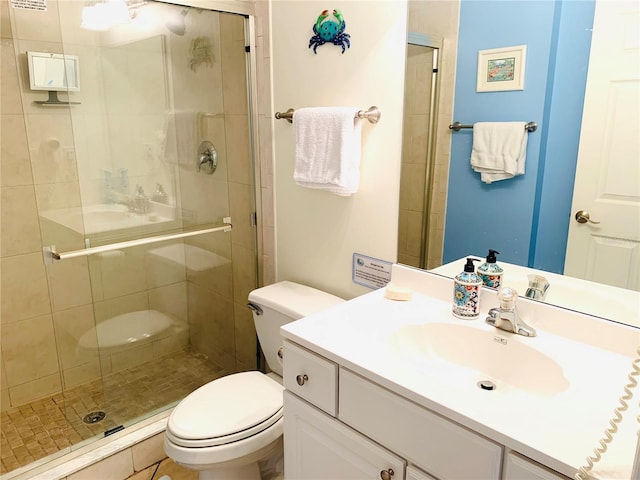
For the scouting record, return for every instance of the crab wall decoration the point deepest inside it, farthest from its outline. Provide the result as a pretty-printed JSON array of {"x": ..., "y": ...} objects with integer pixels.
[{"x": 327, "y": 30}]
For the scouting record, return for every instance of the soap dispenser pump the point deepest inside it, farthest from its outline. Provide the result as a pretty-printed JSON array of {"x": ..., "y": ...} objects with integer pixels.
[
  {"x": 466, "y": 292},
  {"x": 490, "y": 272}
]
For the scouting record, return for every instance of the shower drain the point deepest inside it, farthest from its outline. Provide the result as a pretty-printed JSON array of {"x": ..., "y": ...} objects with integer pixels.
[{"x": 94, "y": 417}]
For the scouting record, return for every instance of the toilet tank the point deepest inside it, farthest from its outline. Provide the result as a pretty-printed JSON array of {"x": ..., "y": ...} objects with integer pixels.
[{"x": 278, "y": 304}]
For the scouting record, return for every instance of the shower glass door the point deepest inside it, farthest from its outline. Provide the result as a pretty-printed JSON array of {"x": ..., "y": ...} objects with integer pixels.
[
  {"x": 421, "y": 210},
  {"x": 161, "y": 138}
]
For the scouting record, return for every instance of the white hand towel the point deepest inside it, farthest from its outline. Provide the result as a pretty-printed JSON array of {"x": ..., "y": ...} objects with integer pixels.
[
  {"x": 499, "y": 150},
  {"x": 180, "y": 138},
  {"x": 328, "y": 149}
]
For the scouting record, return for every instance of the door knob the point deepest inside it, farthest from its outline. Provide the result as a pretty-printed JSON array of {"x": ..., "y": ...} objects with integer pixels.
[
  {"x": 387, "y": 474},
  {"x": 301, "y": 379},
  {"x": 583, "y": 217}
]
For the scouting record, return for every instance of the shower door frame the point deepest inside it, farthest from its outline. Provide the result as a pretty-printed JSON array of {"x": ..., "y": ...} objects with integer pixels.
[
  {"x": 435, "y": 43},
  {"x": 247, "y": 11}
]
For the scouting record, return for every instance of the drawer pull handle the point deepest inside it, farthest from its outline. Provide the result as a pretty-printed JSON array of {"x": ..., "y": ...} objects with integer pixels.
[
  {"x": 301, "y": 379},
  {"x": 386, "y": 474}
]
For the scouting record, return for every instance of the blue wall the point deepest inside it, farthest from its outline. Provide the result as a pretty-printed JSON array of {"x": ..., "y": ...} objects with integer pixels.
[{"x": 525, "y": 218}]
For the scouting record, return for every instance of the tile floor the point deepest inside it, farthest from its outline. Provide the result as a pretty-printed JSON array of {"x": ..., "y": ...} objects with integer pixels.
[
  {"x": 165, "y": 467},
  {"x": 44, "y": 427}
]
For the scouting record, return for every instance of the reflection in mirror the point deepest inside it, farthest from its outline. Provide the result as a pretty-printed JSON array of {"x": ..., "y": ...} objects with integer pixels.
[
  {"x": 127, "y": 187},
  {"x": 614, "y": 303},
  {"x": 416, "y": 228},
  {"x": 53, "y": 72},
  {"x": 525, "y": 218}
]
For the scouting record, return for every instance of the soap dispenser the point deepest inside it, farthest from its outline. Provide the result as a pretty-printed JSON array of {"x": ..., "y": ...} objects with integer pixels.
[
  {"x": 466, "y": 292},
  {"x": 159, "y": 195},
  {"x": 140, "y": 201},
  {"x": 490, "y": 272}
]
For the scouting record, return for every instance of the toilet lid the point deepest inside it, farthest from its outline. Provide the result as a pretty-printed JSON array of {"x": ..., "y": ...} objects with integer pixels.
[{"x": 227, "y": 409}]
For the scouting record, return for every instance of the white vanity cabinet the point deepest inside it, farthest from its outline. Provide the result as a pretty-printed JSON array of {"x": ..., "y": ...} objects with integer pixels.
[
  {"x": 439, "y": 446},
  {"x": 403, "y": 380},
  {"x": 340, "y": 425},
  {"x": 517, "y": 467},
  {"x": 414, "y": 474},
  {"x": 319, "y": 447},
  {"x": 369, "y": 418}
]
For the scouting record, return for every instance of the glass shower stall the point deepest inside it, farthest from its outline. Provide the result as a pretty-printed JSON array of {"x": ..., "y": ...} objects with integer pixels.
[{"x": 138, "y": 136}]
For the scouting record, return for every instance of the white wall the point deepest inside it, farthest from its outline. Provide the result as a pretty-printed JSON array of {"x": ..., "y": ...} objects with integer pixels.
[{"x": 317, "y": 232}]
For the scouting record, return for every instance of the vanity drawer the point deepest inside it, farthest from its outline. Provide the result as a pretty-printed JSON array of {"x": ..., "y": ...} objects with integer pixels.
[
  {"x": 424, "y": 438},
  {"x": 311, "y": 377}
]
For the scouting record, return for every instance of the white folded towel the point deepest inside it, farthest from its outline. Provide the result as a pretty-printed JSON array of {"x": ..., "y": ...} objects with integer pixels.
[
  {"x": 328, "y": 149},
  {"x": 180, "y": 137},
  {"x": 499, "y": 150}
]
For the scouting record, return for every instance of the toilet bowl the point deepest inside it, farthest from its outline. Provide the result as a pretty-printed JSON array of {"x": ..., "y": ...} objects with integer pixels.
[{"x": 228, "y": 427}]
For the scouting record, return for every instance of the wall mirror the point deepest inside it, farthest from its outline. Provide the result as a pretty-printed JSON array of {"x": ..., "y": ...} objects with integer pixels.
[
  {"x": 509, "y": 234},
  {"x": 54, "y": 71}
]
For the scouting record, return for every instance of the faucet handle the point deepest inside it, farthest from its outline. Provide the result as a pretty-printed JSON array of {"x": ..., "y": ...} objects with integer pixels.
[{"x": 507, "y": 297}]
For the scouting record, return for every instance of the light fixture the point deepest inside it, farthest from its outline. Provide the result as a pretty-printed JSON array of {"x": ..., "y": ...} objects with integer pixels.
[
  {"x": 118, "y": 12},
  {"x": 102, "y": 16},
  {"x": 178, "y": 24}
]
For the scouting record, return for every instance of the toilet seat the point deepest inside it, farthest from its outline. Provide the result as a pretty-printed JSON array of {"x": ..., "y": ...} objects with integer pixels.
[{"x": 226, "y": 410}]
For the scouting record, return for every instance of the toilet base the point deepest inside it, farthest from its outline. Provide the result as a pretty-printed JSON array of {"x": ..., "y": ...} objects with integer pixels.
[
  {"x": 245, "y": 472},
  {"x": 245, "y": 467}
]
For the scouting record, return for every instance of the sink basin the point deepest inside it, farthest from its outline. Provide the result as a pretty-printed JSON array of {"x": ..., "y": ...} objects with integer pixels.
[
  {"x": 482, "y": 354},
  {"x": 105, "y": 213},
  {"x": 98, "y": 218}
]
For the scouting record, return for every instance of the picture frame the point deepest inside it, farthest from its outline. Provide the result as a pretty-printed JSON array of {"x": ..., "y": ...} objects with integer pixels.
[{"x": 501, "y": 69}]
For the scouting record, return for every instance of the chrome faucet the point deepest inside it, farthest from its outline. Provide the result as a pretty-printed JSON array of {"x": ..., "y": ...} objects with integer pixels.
[
  {"x": 538, "y": 286},
  {"x": 506, "y": 316}
]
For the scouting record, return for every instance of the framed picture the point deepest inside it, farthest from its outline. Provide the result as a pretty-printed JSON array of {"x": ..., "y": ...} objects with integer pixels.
[{"x": 501, "y": 69}]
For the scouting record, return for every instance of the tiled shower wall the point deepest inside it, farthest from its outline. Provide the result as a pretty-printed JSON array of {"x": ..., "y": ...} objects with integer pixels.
[
  {"x": 30, "y": 367},
  {"x": 38, "y": 303}
]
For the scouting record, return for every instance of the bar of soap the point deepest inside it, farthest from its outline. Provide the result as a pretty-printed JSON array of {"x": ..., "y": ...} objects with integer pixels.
[{"x": 395, "y": 292}]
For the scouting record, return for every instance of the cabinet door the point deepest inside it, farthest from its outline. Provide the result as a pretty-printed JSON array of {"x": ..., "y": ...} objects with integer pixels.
[
  {"x": 422, "y": 437},
  {"x": 520, "y": 468},
  {"x": 414, "y": 473},
  {"x": 319, "y": 447}
]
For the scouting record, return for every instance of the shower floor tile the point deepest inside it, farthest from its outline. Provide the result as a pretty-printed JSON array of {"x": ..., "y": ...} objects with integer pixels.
[{"x": 44, "y": 427}]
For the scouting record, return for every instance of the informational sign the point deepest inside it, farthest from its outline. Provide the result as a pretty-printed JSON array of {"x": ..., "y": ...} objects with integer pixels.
[
  {"x": 40, "y": 5},
  {"x": 370, "y": 272}
]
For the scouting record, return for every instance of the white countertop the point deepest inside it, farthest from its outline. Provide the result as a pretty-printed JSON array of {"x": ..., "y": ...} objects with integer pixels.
[{"x": 556, "y": 428}]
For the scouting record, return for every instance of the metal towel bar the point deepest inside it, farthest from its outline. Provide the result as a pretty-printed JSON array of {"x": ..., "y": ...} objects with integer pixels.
[
  {"x": 50, "y": 253},
  {"x": 372, "y": 114},
  {"x": 456, "y": 126}
]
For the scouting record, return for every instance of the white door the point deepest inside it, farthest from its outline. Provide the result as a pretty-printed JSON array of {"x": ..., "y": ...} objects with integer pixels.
[
  {"x": 318, "y": 447},
  {"x": 607, "y": 184}
]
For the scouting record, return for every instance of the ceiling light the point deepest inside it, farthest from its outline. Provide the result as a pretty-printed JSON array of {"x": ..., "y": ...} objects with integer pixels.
[
  {"x": 102, "y": 16},
  {"x": 178, "y": 25}
]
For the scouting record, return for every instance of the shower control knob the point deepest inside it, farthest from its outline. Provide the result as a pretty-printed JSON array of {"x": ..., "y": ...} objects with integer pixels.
[
  {"x": 386, "y": 474},
  {"x": 301, "y": 379}
]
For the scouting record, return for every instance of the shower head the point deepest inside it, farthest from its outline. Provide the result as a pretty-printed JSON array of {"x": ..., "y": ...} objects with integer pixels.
[{"x": 177, "y": 24}]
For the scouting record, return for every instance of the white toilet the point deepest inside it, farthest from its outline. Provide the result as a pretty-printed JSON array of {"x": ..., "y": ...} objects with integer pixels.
[{"x": 224, "y": 428}]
